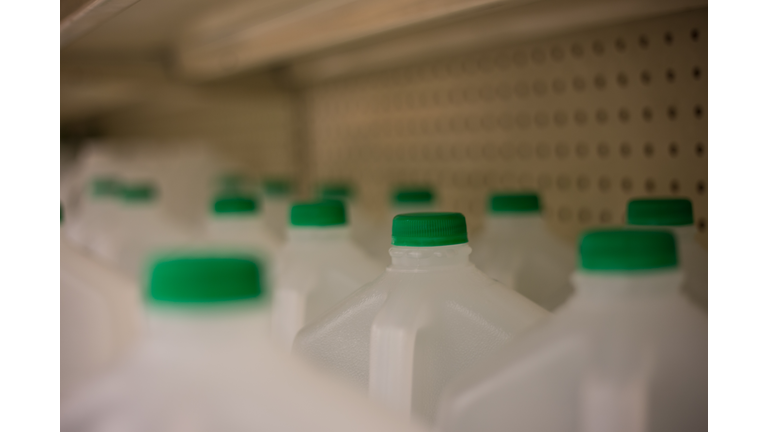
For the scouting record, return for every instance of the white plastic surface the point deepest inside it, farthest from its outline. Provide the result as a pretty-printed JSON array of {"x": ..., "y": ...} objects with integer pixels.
[
  {"x": 693, "y": 261},
  {"x": 100, "y": 316},
  {"x": 245, "y": 233},
  {"x": 519, "y": 252},
  {"x": 316, "y": 269},
  {"x": 625, "y": 353},
  {"x": 217, "y": 370},
  {"x": 276, "y": 214},
  {"x": 404, "y": 336}
]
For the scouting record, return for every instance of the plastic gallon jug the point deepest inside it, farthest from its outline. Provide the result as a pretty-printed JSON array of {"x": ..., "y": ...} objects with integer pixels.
[
  {"x": 100, "y": 316},
  {"x": 317, "y": 268},
  {"x": 237, "y": 223},
  {"x": 676, "y": 215},
  {"x": 95, "y": 217},
  {"x": 142, "y": 228},
  {"x": 517, "y": 250},
  {"x": 626, "y": 353},
  {"x": 206, "y": 363},
  {"x": 430, "y": 316},
  {"x": 404, "y": 200},
  {"x": 360, "y": 224},
  {"x": 276, "y": 194}
]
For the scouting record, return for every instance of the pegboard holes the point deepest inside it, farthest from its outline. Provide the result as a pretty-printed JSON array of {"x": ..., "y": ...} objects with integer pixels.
[
  {"x": 702, "y": 224},
  {"x": 650, "y": 185},
  {"x": 647, "y": 114},
  {"x": 598, "y": 48},
  {"x": 585, "y": 216},
  {"x": 622, "y": 80},
  {"x": 601, "y": 116},
  {"x": 579, "y": 83},
  {"x": 621, "y": 46},
  {"x": 670, "y": 76},
  {"x": 543, "y": 151},
  {"x": 643, "y": 41},
  {"x": 538, "y": 56},
  {"x": 624, "y": 115},
  {"x": 580, "y": 117},
  {"x": 540, "y": 88},
  {"x": 562, "y": 150},
  {"x": 645, "y": 77},
  {"x": 699, "y": 149},
  {"x": 604, "y": 184},
  {"x": 668, "y": 38},
  {"x": 626, "y": 185},
  {"x": 672, "y": 113},
  {"x": 561, "y": 118},
  {"x": 605, "y": 217},
  {"x": 701, "y": 188},
  {"x": 600, "y": 82},
  {"x": 625, "y": 150},
  {"x": 673, "y": 150},
  {"x": 674, "y": 186},
  {"x": 582, "y": 150},
  {"x": 696, "y": 73},
  {"x": 698, "y": 112},
  {"x": 648, "y": 150},
  {"x": 603, "y": 150},
  {"x": 582, "y": 183},
  {"x": 563, "y": 183},
  {"x": 695, "y": 35}
]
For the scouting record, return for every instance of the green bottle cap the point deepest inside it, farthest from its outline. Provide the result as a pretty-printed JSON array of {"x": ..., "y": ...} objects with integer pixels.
[
  {"x": 660, "y": 212},
  {"x": 227, "y": 205},
  {"x": 277, "y": 187},
  {"x": 204, "y": 280},
  {"x": 429, "y": 229},
  {"x": 412, "y": 196},
  {"x": 335, "y": 191},
  {"x": 138, "y": 193},
  {"x": 527, "y": 202},
  {"x": 318, "y": 214},
  {"x": 627, "y": 250},
  {"x": 105, "y": 187}
]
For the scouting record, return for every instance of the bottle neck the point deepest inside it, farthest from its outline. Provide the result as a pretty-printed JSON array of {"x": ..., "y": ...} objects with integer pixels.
[
  {"x": 408, "y": 258},
  {"x": 517, "y": 224},
  {"x": 683, "y": 233},
  {"x": 318, "y": 234},
  {"x": 649, "y": 284},
  {"x": 237, "y": 221}
]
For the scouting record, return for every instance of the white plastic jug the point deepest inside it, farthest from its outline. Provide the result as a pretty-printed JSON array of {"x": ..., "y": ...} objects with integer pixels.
[
  {"x": 317, "y": 268},
  {"x": 517, "y": 250},
  {"x": 361, "y": 225},
  {"x": 276, "y": 195},
  {"x": 237, "y": 224},
  {"x": 404, "y": 200},
  {"x": 626, "y": 353},
  {"x": 676, "y": 215},
  {"x": 96, "y": 213},
  {"x": 207, "y": 364},
  {"x": 430, "y": 316},
  {"x": 100, "y": 316},
  {"x": 141, "y": 229}
]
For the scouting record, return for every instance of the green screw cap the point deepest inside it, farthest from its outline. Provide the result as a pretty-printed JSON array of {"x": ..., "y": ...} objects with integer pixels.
[
  {"x": 429, "y": 229},
  {"x": 138, "y": 193},
  {"x": 412, "y": 196},
  {"x": 338, "y": 191},
  {"x": 204, "y": 280},
  {"x": 105, "y": 187},
  {"x": 235, "y": 205},
  {"x": 318, "y": 214},
  {"x": 515, "y": 203},
  {"x": 627, "y": 250},
  {"x": 277, "y": 187},
  {"x": 660, "y": 212}
]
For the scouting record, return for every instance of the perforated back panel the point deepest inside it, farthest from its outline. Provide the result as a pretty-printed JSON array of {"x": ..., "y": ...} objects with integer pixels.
[{"x": 589, "y": 119}]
